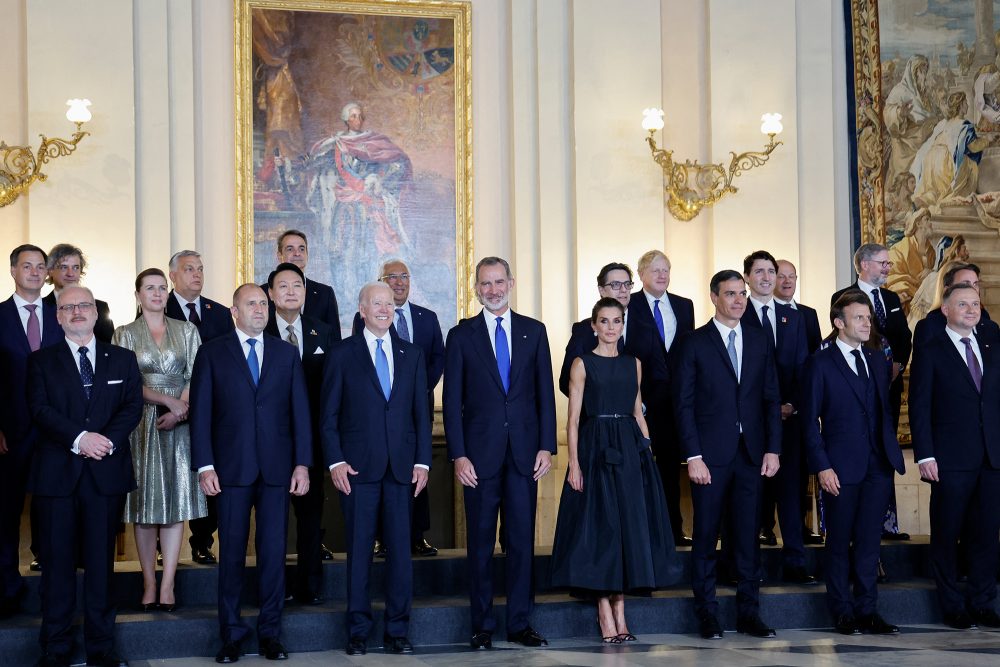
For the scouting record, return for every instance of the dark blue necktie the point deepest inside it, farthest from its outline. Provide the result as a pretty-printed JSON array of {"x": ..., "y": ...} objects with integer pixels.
[
  {"x": 253, "y": 362},
  {"x": 503, "y": 355},
  {"x": 859, "y": 364},
  {"x": 382, "y": 369},
  {"x": 86, "y": 371},
  {"x": 766, "y": 323},
  {"x": 402, "y": 328},
  {"x": 879, "y": 310},
  {"x": 658, "y": 318}
]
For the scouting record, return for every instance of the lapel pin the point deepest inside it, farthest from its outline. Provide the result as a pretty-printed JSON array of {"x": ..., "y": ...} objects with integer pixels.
[
  {"x": 784, "y": 320},
  {"x": 312, "y": 332},
  {"x": 207, "y": 305},
  {"x": 524, "y": 336}
]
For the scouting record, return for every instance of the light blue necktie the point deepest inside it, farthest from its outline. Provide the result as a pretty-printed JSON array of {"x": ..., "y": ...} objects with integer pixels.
[
  {"x": 658, "y": 318},
  {"x": 402, "y": 328},
  {"x": 503, "y": 355},
  {"x": 382, "y": 369},
  {"x": 253, "y": 362},
  {"x": 731, "y": 349}
]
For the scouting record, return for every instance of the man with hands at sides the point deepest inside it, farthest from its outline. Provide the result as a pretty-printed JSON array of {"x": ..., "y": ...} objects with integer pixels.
[
  {"x": 251, "y": 443},
  {"x": 377, "y": 444}
]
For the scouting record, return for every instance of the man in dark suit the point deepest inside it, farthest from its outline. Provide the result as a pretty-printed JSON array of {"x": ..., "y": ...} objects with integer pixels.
[
  {"x": 66, "y": 266},
  {"x": 186, "y": 303},
  {"x": 418, "y": 325},
  {"x": 954, "y": 394},
  {"x": 500, "y": 422},
  {"x": 851, "y": 443},
  {"x": 85, "y": 398},
  {"x": 786, "y": 333},
  {"x": 312, "y": 340},
  {"x": 934, "y": 322},
  {"x": 377, "y": 442},
  {"x": 321, "y": 301},
  {"x": 26, "y": 324},
  {"x": 727, "y": 401},
  {"x": 250, "y": 435},
  {"x": 669, "y": 317}
]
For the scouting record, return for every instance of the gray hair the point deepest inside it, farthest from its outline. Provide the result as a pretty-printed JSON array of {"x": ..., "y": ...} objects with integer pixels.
[
  {"x": 375, "y": 284},
  {"x": 393, "y": 260},
  {"x": 62, "y": 250},
  {"x": 62, "y": 293},
  {"x": 345, "y": 113},
  {"x": 866, "y": 252},
  {"x": 178, "y": 256},
  {"x": 493, "y": 261}
]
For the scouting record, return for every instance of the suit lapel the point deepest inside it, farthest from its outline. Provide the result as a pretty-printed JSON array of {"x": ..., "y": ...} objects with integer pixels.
[
  {"x": 517, "y": 361},
  {"x": 716, "y": 341},
  {"x": 963, "y": 367},
  {"x": 71, "y": 370},
  {"x": 236, "y": 349},
  {"x": 365, "y": 359},
  {"x": 849, "y": 375},
  {"x": 482, "y": 345},
  {"x": 398, "y": 364},
  {"x": 266, "y": 367},
  {"x": 100, "y": 370},
  {"x": 14, "y": 325}
]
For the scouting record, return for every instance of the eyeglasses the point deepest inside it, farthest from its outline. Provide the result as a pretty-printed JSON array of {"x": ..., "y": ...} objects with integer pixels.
[
  {"x": 83, "y": 307},
  {"x": 885, "y": 265},
  {"x": 616, "y": 285},
  {"x": 395, "y": 276}
]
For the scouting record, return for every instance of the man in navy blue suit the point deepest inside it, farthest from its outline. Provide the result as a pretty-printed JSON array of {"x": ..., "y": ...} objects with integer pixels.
[
  {"x": 26, "y": 324},
  {"x": 500, "y": 422},
  {"x": 786, "y": 332},
  {"x": 418, "y": 325},
  {"x": 212, "y": 319},
  {"x": 250, "y": 435},
  {"x": 851, "y": 444},
  {"x": 313, "y": 340},
  {"x": 670, "y": 317},
  {"x": 377, "y": 442},
  {"x": 321, "y": 300},
  {"x": 954, "y": 394},
  {"x": 727, "y": 401},
  {"x": 85, "y": 398}
]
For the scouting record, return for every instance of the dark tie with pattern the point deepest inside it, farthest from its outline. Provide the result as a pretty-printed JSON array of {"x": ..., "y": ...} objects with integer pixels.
[
  {"x": 402, "y": 328},
  {"x": 879, "y": 310},
  {"x": 973, "y": 362},
  {"x": 859, "y": 364},
  {"x": 86, "y": 371},
  {"x": 193, "y": 316}
]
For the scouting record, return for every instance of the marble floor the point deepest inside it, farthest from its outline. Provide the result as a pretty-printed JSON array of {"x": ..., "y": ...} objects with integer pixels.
[{"x": 915, "y": 646}]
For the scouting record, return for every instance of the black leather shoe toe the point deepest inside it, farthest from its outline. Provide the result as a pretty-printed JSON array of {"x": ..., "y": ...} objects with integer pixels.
[
  {"x": 357, "y": 646},
  {"x": 986, "y": 618},
  {"x": 397, "y": 645},
  {"x": 203, "y": 556},
  {"x": 481, "y": 640},
  {"x": 876, "y": 625},
  {"x": 527, "y": 637},
  {"x": 959, "y": 621},
  {"x": 755, "y": 627},
  {"x": 229, "y": 653},
  {"x": 271, "y": 648},
  {"x": 109, "y": 659},
  {"x": 423, "y": 548},
  {"x": 709, "y": 628},
  {"x": 847, "y": 625}
]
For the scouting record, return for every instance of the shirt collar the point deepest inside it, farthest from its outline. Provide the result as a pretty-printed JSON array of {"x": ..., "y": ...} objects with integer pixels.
[
  {"x": 650, "y": 298},
  {"x": 865, "y": 287},
  {"x": 283, "y": 323},
  {"x": 244, "y": 338},
  {"x": 724, "y": 330},
  {"x": 492, "y": 319},
  {"x": 21, "y": 303},
  {"x": 957, "y": 337},
  {"x": 845, "y": 348},
  {"x": 370, "y": 338},
  {"x": 790, "y": 302},
  {"x": 184, "y": 302},
  {"x": 758, "y": 304},
  {"x": 91, "y": 346}
]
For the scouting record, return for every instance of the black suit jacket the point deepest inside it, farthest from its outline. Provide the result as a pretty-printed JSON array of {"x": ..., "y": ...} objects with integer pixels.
[
  {"x": 934, "y": 323},
  {"x": 104, "y": 329},
  {"x": 321, "y": 304},
  {"x": 480, "y": 420},
  {"x": 364, "y": 429},
  {"x": 15, "y": 419},
  {"x": 247, "y": 431},
  {"x": 582, "y": 340},
  {"x": 835, "y": 418},
  {"x": 897, "y": 330},
  {"x": 711, "y": 405},
  {"x": 61, "y": 412},
  {"x": 949, "y": 419},
  {"x": 790, "y": 352},
  {"x": 216, "y": 319},
  {"x": 649, "y": 350},
  {"x": 814, "y": 337}
]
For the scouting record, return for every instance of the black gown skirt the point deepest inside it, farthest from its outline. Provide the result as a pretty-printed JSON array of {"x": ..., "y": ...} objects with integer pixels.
[{"x": 614, "y": 536}]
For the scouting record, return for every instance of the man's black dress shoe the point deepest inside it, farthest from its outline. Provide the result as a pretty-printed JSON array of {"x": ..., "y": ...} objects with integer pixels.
[
  {"x": 755, "y": 627},
  {"x": 527, "y": 637},
  {"x": 379, "y": 549},
  {"x": 683, "y": 541},
  {"x": 35, "y": 565},
  {"x": 809, "y": 537},
  {"x": 767, "y": 539},
  {"x": 796, "y": 574},
  {"x": 709, "y": 628},
  {"x": 203, "y": 556},
  {"x": 308, "y": 599},
  {"x": 423, "y": 548},
  {"x": 229, "y": 653},
  {"x": 325, "y": 553},
  {"x": 397, "y": 645},
  {"x": 53, "y": 660},
  {"x": 357, "y": 646},
  {"x": 960, "y": 621},
  {"x": 895, "y": 537},
  {"x": 271, "y": 648},
  {"x": 481, "y": 640},
  {"x": 847, "y": 625},
  {"x": 874, "y": 624},
  {"x": 109, "y": 659},
  {"x": 986, "y": 618}
]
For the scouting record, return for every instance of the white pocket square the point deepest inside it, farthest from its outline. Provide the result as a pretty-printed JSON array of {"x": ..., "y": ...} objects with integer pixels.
[
  {"x": 319, "y": 350},
  {"x": 115, "y": 381},
  {"x": 894, "y": 310}
]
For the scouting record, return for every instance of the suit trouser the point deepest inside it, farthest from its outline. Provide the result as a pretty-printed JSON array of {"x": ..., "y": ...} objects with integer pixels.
[
  {"x": 91, "y": 519},
  {"x": 784, "y": 491},
  {"x": 367, "y": 502},
  {"x": 734, "y": 492},
  {"x": 202, "y": 529},
  {"x": 666, "y": 448},
  {"x": 969, "y": 500},
  {"x": 482, "y": 503},
  {"x": 308, "y": 535},
  {"x": 271, "y": 505},
  {"x": 14, "y": 468},
  {"x": 853, "y": 534}
]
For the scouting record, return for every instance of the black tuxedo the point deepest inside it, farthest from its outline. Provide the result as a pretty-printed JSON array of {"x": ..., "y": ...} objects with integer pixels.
[
  {"x": 105, "y": 327},
  {"x": 80, "y": 500},
  {"x": 317, "y": 341},
  {"x": 382, "y": 439},
  {"x": 254, "y": 436},
  {"x": 501, "y": 433},
  {"x": 959, "y": 426},
  {"x": 858, "y": 442},
  {"x": 731, "y": 423}
]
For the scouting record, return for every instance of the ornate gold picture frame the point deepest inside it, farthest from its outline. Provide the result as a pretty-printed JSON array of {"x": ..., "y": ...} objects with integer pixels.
[{"x": 354, "y": 125}]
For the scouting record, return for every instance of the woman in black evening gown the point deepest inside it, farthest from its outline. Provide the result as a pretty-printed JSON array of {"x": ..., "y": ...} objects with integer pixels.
[{"x": 613, "y": 532}]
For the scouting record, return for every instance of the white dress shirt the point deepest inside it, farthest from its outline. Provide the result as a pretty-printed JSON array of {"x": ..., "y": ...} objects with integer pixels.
[
  {"x": 282, "y": 325},
  {"x": 491, "y": 327},
  {"x": 758, "y": 306},
  {"x": 23, "y": 313},
  {"x": 91, "y": 348},
  {"x": 669, "y": 319},
  {"x": 846, "y": 350}
]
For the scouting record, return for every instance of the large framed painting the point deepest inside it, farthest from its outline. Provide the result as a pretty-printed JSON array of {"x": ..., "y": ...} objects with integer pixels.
[{"x": 354, "y": 127}]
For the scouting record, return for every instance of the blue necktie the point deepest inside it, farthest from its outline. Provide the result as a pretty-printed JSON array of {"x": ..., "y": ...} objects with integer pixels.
[
  {"x": 402, "y": 328},
  {"x": 86, "y": 371},
  {"x": 658, "y": 318},
  {"x": 253, "y": 362},
  {"x": 879, "y": 310},
  {"x": 766, "y": 323},
  {"x": 503, "y": 355},
  {"x": 382, "y": 368},
  {"x": 731, "y": 349}
]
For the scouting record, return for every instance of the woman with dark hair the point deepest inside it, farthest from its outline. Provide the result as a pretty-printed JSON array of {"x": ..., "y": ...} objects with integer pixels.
[
  {"x": 613, "y": 531},
  {"x": 168, "y": 492}
]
